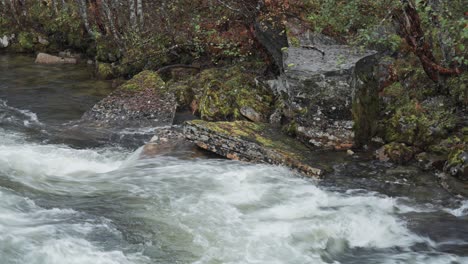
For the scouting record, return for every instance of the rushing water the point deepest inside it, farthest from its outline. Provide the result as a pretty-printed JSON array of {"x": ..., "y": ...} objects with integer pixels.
[{"x": 65, "y": 203}]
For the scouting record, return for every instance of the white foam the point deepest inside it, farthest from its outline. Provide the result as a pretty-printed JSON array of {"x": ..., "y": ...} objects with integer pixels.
[
  {"x": 33, "y": 235},
  {"x": 27, "y": 116},
  {"x": 262, "y": 214},
  {"x": 460, "y": 211}
]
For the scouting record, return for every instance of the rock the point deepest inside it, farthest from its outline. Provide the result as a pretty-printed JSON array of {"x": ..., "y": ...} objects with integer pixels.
[
  {"x": 4, "y": 41},
  {"x": 140, "y": 102},
  {"x": 70, "y": 54},
  {"x": 42, "y": 40},
  {"x": 44, "y": 58},
  {"x": 366, "y": 107},
  {"x": 396, "y": 152},
  {"x": 420, "y": 124},
  {"x": 350, "y": 152},
  {"x": 251, "y": 114},
  {"x": 168, "y": 140},
  {"x": 272, "y": 35},
  {"x": 317, "y": 92},
  {"x": 253, "y": 142},
  {"x": 457, "y": 164},
  {"x": 430, "y": 161},
  {"x": 231, "y": 94},
  {"x": 105, "y": 71}
]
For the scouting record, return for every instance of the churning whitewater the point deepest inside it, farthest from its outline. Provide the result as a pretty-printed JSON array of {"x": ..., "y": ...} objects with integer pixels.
[
  {"x": 65, "y": 205},
  {"x": 71, "y": 204}
]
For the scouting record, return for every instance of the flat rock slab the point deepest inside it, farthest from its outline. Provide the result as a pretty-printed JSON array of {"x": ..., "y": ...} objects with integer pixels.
[
  {"x": 44, "y": 58},
  {"x": 253, "y": 142},
  {"x": 142, "y": 108},
  {"x": 335, "y": 60}
]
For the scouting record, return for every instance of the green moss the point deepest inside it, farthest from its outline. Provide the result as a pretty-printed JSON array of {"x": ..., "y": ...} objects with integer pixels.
[
  {"x": 458, "y": 88},
  {"x": 455, "y": 158},
  {"x": 145, "y": 80},
  {"x": 465, "y": 131},
  {"x": 183, "y": 92},
  {"x": 395, "y": 90},
  {"x": 107, "y": 50},
  {"x": 418, "y": 123},
  {"x": 104, "y": 71},
  {"x": 223, "y": 92},
  {"x": 365, "y": 106},
  {"x": 399, "y": 152},
  {"x": 25, "y": 42},
  {"x": 259, "y": 133},
  {"x": 291, "y": 129}
]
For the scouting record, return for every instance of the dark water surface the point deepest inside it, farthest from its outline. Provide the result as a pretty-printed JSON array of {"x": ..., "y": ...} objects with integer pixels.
[{"x": 67, "y": 203}]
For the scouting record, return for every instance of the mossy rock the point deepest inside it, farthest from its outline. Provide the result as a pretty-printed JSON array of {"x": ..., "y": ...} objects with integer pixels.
[
  {"x": 107, "y": 50},
  {"x": 232, "y": 94},
  {"x": 458, "y": 88},
  {"x": 145, "y": 80},
  {"x": 104, "y": 71},
  {"x": 23, "y": 43},
  {"x": 457, "y": 163},
  {"x": 396, "y": 152},
  {"x": 183, "y": 92},
  {"x": 420, "y": 124},
  {"x": 256, "y": 142}
]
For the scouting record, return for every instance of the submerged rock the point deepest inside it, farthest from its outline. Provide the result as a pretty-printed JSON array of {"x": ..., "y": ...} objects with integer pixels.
[
  {"x": 140, "y": 102},
  {"x": 44, "y": 58},
  {"x": 169, "y": 140},
  {"x": 247, "y": 141}
]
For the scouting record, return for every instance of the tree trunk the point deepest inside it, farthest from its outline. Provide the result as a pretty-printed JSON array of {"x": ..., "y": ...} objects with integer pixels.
[
  {"x": 140, "y": 13},
  {"x": 54, "y": 6},
  {"x": 110, "y": 19},
  {"x": 84, "y": 15},
  {"x": 133, "y": 18},
  {"x": 64, "y": 5},
  {"x": 14, "y": 12}
]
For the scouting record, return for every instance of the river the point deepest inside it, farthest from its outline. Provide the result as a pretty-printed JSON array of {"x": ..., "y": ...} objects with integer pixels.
[{"x": 66, "y": 201}]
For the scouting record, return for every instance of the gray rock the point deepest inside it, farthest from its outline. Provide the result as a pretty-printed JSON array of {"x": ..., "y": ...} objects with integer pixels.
[
  {"x": 253, "y": 142},
  {"x": 44, "y": 58},
  {"x": 4, "y": 42},
  {"x": 142, "y": 108},
  {"x": 317, "y": 91},
  {"x": 142, "y": 101},
  {"x": 272, "y": 35},
  {"x": 42, "y": 40},
  {"x": 251, "y": 114}
]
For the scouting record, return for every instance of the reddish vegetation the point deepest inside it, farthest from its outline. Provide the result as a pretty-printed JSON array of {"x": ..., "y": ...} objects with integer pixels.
[{"x": 410, "y": 29}]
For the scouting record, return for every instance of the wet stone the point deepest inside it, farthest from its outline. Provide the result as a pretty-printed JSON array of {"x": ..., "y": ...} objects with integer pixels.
[{"x": 252, "y": 142}]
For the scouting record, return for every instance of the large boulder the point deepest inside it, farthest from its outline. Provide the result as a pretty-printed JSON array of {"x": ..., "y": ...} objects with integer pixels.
[
  {"x": 232, "y": 93},
  {"x": 44, "y": 58},
  {"x": 253, "y": 142},
  {"x": 142, "y": 101},
  {"x": 317, "y": 91}
]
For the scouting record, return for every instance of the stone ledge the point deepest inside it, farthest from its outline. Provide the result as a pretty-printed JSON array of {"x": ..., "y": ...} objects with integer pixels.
[{"x": 253, "y": 142}]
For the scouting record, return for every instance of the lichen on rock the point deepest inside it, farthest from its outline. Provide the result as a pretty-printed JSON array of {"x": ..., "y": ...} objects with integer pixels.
[{"x": 254, "y": 142}]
